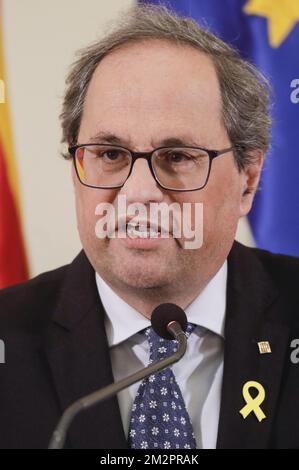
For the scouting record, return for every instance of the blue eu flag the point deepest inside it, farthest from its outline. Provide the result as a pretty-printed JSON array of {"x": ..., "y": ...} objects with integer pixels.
[{"x": 267, "y": 33}]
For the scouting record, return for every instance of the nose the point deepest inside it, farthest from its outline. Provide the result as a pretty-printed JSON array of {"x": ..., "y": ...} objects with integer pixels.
[{"x": 141, "y": 185}]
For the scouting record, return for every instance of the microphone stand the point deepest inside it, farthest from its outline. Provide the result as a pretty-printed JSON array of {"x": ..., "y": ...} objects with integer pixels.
[{"x": 59, "y": 435}]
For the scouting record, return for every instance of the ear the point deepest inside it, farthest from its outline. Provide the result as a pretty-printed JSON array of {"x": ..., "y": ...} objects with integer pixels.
[{"x": 250, "y": 181}]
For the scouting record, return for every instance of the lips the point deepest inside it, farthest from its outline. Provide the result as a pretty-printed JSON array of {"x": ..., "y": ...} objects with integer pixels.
[
  {"x": 134, "y": 228},
  {"x": 142, "y": 230}
]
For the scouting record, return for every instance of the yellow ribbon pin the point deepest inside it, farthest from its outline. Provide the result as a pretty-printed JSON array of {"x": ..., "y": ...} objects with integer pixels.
[{"x": 253, "y": 404}]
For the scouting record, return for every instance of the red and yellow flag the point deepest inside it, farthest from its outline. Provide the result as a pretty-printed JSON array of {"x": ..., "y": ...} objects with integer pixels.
[{"x": 13, "y": 265}]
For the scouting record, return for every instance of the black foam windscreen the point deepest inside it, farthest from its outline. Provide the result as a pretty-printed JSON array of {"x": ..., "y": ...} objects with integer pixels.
[{"x": 163, "y": 314}]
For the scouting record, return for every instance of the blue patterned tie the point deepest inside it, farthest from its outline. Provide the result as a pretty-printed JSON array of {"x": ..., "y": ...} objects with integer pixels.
[{"x": 159, "y": 418}]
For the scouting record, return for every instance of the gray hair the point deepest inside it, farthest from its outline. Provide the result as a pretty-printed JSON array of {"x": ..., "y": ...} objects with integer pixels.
[{"x": 245, "y": 91}]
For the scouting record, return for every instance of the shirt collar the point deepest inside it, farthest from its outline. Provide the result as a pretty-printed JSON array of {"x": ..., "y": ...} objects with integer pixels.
[{"x": 207, "y": 310}]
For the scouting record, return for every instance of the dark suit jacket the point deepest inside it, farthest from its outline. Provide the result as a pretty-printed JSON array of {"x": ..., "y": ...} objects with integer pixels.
[{"x": 57, "y": 352}]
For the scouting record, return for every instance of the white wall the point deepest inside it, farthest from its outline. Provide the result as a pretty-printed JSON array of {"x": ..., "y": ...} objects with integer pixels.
[{"x": 41, "y": 37}]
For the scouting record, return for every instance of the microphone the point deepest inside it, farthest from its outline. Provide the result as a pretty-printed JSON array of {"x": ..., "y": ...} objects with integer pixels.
[{"x": 170, "y": 322}]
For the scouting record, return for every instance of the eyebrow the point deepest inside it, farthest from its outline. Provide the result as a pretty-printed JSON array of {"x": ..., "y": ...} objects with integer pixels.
[
  {"x": 176, "y": 141},
  {"x": 108, "y": 137}
]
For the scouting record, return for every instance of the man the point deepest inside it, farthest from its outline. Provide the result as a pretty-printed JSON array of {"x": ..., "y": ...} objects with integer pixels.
[{"x": 159, "y": 111}]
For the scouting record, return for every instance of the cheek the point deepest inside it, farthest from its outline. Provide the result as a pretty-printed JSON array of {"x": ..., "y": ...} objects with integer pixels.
[
  {"x": 221, "y": 200},
  {"x": 222, "y": 211},
  {"x": 87, "y": 200},
  {"x": 224, "y": 185}
]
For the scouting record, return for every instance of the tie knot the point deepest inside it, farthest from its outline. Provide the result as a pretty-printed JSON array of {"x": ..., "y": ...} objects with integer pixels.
[{"x": 160, "y": 347}]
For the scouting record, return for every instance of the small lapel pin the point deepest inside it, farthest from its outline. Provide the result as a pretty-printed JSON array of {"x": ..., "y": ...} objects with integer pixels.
[
  {"x": 253, "y": 404},
  {"x": 264, "y": 347}
]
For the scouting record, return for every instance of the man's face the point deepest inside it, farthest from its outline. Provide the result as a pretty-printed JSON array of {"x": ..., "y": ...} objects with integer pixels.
[{"x": 145, "y": 94}]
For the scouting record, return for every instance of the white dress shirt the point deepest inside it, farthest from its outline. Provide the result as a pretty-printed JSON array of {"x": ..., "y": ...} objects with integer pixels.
[{"x": 198, "y": 373}]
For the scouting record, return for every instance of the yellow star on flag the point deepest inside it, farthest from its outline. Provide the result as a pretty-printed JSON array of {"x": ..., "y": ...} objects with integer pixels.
[{"x": 282, "y": 17}]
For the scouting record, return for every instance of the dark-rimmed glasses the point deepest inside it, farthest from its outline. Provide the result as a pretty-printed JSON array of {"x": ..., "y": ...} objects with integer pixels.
[{"x": 181, "y": 168}]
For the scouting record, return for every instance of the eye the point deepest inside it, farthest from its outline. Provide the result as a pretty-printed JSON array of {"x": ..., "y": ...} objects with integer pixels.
[
  {"x": 111, "y": 155},
  {"x": 177, "y": 157}
]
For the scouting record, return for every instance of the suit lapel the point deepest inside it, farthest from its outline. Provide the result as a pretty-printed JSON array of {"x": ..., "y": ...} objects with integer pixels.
[
  {"x": 78, "y": 355},
  {"x": 252, "y": 314}
]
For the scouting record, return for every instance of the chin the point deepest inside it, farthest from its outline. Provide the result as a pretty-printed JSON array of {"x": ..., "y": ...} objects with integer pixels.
[
  {"x": 144, "y": 283},
  {"x": 141, "y": 275}
]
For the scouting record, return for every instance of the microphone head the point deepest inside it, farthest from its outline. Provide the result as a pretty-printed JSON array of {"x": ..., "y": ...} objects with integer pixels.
[{"x": 164, "y": 314}]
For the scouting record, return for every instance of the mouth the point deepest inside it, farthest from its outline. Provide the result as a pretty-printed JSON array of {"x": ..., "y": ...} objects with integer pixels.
[
  {"x": 142, "y": 230},
  {"x": 129, "y": 227},
  {"x": 141, "y": 235}
]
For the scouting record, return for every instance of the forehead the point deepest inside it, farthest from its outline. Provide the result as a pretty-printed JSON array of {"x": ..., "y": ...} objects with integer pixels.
[{"x": 154, "y": 81}]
